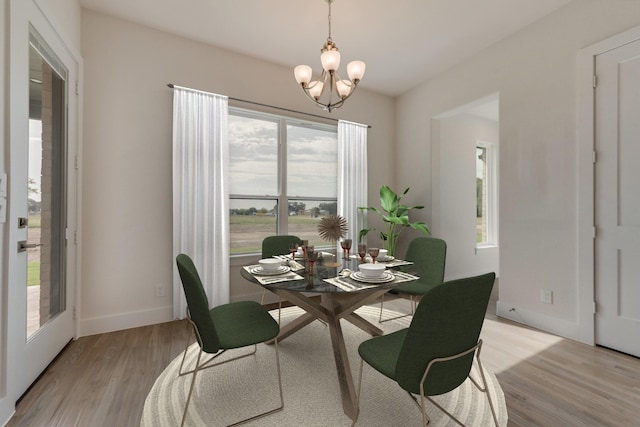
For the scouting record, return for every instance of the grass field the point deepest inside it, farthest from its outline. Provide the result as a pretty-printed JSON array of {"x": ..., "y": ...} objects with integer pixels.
[
  {"x": 248, "y": 231},
  {"x": 33, "y": 273}
]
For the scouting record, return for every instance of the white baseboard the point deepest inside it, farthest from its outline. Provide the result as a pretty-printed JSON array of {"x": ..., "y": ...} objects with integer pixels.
[
  {"x": 553, "y": 325},
  {"x": 118, "y": 322},
  {"x": 7, "y": 410}
]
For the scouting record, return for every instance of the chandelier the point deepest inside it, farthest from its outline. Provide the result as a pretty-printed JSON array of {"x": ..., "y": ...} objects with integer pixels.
[{"x": 323, "y": 90}]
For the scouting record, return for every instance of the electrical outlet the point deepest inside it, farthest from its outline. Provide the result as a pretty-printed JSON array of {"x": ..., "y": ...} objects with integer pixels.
[
  {"x": 546, "y": 296},
  {"x": 160, "y": 290}
]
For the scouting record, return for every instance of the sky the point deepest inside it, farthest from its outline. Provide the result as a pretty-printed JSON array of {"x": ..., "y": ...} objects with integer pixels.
[{"x": 311, "y": 165}]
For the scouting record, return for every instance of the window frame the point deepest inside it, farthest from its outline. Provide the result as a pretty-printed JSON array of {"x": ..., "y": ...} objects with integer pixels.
[
  {"x": 281, "y": 197},
  {"x": 491, "y": 160}
]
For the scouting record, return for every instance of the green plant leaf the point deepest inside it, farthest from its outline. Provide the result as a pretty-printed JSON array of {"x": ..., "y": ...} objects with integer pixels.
[
  {"x": 388, "y": 199},
  {"x": 421, "y": 226},
  {"x": 394, "y": 215},
  {"x": 364, "y": 232}
]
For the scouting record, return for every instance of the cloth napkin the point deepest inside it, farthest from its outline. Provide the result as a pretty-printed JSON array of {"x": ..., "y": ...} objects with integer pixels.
[
  {"x": 293, "y": 265},
  {"x": 390, "y": 264}
]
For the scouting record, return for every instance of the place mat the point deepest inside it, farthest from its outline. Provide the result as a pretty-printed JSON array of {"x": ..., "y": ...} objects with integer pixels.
[
  {"x": 395, "y": 263},
  {"x": 268, "y": 280},
  {"x": 349, "y": 285}
]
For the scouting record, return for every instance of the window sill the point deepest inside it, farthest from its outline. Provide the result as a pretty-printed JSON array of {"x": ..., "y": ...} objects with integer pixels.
[{"x": 486, "y": 247}]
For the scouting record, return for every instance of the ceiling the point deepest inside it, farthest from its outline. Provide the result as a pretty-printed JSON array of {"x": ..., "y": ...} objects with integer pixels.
[{"x": 403, "y": 42}]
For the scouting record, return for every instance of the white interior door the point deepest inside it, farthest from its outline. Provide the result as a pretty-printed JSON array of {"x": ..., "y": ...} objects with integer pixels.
[
  {"x": 617, "y": 199},
  {"x": 41, "y": 218}
]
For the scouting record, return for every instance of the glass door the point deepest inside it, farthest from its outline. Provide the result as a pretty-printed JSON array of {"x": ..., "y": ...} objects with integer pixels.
[
  {"x": 42, "y": 198},
  {"x": 46, "y": 190}
]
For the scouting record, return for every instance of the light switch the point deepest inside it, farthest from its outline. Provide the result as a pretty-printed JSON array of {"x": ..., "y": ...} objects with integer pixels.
[
  {"x": 3, "y": 209},
  {"x": 3, "y": 185}
]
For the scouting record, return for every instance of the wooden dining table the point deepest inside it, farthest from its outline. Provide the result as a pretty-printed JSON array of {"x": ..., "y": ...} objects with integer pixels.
[{"x": 333, "y": 305}]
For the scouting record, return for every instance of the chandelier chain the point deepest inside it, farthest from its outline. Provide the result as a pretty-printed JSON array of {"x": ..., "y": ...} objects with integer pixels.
[{"x": 330, "y": 1}]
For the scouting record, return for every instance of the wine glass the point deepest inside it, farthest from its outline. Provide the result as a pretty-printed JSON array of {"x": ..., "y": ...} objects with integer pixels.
[
  {"x": 312, "y": 256},
  {"x": 293, "y": 248},
  {"x": 374, "y": 254},
  {"x": 362, "y": 252},
  {"x": 304, "y": 245},
  {"x": 346, "y": 247}
]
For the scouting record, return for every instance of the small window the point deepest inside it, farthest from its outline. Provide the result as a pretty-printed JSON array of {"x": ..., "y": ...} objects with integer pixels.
[
  {"x": 283, "y": 177},
  {"x": 486, "y": 200}
]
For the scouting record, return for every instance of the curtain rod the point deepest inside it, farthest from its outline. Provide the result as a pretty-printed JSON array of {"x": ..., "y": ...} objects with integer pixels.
[{"x": 171, "y": 85}]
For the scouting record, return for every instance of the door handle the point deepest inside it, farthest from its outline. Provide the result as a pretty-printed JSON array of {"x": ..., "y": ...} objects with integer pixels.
[{"x": 23, "y": 245}]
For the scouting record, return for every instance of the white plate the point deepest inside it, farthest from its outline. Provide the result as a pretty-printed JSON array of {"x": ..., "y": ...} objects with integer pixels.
[
  {"x": 388, "y": 258},
  {"x": 384, "y": 278},
  {"x": 262, "y": 272}
]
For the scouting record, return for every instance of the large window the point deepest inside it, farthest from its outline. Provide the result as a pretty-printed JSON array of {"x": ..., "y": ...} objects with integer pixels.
[
  {"x": 486, "y": 189},
  {"x": 283, "y": 177}
]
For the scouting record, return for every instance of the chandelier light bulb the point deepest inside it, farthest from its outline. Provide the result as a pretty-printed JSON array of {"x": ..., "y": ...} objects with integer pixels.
[
  {"x": 330, "y": 60},
  {"x": 315, "y": 89},
  {"x": 303, "y": 74},
  {"x": 343, "y": 88},
  {"x": 355, "y": 70}
]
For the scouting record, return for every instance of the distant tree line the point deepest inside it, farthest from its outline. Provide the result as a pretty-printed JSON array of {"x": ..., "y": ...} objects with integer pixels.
[{"x": 294, "y": 208}]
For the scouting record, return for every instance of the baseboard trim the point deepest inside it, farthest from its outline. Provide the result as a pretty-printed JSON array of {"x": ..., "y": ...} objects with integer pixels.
[
  {"x": 118, "y": 322},
  {"x": 553, "y": 325}
]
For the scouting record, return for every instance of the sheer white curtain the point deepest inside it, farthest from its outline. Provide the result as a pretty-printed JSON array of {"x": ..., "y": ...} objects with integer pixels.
[
  {"x": 201, "y": 192},
  {"x": 352, "y": 176}
]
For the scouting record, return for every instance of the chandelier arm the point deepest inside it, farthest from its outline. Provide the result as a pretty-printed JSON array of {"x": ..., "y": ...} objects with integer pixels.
[
  {"x": 332, "y": 85},
  {"x": 306, "y": 92}
]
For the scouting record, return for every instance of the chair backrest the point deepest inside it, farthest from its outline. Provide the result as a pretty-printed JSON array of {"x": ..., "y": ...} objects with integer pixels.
[
  {"x": 278, "y": 245},
  {"x": 447, "y": 322},
  {"x": 198, "y": 304},
  {"x": 428, "y": 255}
]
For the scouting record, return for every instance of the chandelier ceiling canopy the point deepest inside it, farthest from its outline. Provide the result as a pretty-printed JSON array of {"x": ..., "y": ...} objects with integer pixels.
[{"x": 323, "y": 90}]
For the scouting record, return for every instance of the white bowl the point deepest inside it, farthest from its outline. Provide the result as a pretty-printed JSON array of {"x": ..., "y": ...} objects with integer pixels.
[
  {"x": 372, "y": 270},
  {"x": 270, "y": 264}
]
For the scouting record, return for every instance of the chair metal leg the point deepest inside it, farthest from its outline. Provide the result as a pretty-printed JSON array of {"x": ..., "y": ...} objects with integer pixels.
[
  {"x": 193, "y": 382},
  {"x": 201, "y": 366},
  {"x": 277, "y": 409},
  {"x": 485, "y": 387},
  {"x": 380, "y": 320}
]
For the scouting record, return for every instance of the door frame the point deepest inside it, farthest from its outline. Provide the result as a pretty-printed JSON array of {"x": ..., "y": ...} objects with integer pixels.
[
  {"x": 587, "y": 156},
  {"x": 20, "y": 15}
]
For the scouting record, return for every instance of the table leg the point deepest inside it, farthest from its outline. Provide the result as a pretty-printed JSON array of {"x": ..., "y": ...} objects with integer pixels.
[
  {"x": 363, "y": 324},
  {"x": 293, "y": 326},
  {"x": 347, "y": 386}
]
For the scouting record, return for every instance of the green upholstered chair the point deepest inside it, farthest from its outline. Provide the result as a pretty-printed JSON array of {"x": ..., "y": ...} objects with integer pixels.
[
  {"x": 428, "y": 255},
  {"x": 225, "y": 327},
  {"x": 277, "y": 245},
  {"x": 434, "y": 355}
]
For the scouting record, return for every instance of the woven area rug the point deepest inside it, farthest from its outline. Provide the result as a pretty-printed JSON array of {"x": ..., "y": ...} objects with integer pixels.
[{"x": 242, "y": 388}]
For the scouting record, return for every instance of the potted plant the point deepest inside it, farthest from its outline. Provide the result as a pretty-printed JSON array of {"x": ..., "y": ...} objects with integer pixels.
[{"x": 396, "y": 217}]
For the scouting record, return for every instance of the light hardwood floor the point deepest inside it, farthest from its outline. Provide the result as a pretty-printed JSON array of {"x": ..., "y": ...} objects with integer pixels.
[{"x": 103, "y": 380}]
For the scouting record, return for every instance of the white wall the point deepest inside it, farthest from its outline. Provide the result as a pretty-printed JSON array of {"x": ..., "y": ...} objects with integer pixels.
[
  {"x": 454, "y": 193},
  {"x": 535, "y": 73},
  {"x": 127, "y": 247}
]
